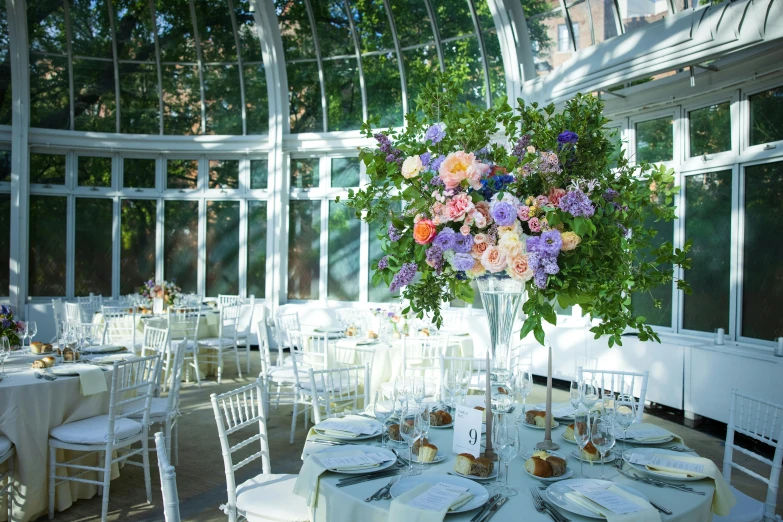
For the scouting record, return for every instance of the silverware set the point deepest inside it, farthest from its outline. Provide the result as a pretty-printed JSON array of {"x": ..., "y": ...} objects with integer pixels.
[
  {"x": 542, "y": 506},
  {"x": 384, "y": 493},
  {"x": 681, "y": 449},
  {"x": 489, "y": 509},
  {"x": 46, "y": 376}
]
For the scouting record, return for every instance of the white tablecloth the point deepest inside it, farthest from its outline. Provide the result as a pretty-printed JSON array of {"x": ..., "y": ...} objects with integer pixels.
[
  {"x": 337, "y": 504},
  {"x": 29, "y": 409}
]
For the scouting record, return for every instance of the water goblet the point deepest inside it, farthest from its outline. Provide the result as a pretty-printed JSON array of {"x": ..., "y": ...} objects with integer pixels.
[
  {"x": 575, "y": 390},
  {"x": 464, "y": 384},
  {"x": 398, "y": 393},
  {"x": 409, "y": 432},
  {"x": 418, "y": 390},
  {"x": 589, "y": 394},
  {"x": 581, "y": 435},
  {"x": 625, "y": 415},
  {"x": 524, "y": 385},
  {"x": 32, "y": 329},
  {"x": 382, "y": 410},
  {"x": 602, "y": 437},
  {"x": 450, "y": 386},
  {"x": 5, "y": 353}
]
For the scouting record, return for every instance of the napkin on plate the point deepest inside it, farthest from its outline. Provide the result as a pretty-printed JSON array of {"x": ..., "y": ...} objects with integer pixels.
[
  {"x": 309, "y": 476},
  {"x": 91, "y": 379},
  {"x": 647, "y": 514},
  {"x": 352, "y": 420},
  {"x": 665, "y": 434},
  {"x": 723, "y": 499},
  {"x": 103, "y": 348},
  {"x": 400, "y": 510}
]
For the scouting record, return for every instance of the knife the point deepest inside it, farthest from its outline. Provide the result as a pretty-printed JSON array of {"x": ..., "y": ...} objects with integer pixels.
[
  {"x": 494, "y": 509},
  {"x": 491, "y": 502}
]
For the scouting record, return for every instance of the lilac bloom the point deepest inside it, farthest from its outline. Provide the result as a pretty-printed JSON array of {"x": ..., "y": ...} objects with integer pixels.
[
  {"x": 393, "y": 233},
  {"x": 576, "y": 203},
  {"x": 383, "y": 263},
  {"x": 403, "y": 277}
]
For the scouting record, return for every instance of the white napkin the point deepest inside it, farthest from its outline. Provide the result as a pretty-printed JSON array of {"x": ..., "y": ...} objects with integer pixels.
[
  {"x": 400, "y": 510},
  {"x": 664, "y": 433},
  {"x": 91, "y": 379},
  {"x": 647, "y": 514},
  {"x": 310, "y": 475},
  {"x": 333, "y": 432},
  {"x": 103, "y": 348}
]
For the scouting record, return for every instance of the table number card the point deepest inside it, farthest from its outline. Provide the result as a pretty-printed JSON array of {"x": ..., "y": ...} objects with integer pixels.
[{"x": 467, "y": 431}]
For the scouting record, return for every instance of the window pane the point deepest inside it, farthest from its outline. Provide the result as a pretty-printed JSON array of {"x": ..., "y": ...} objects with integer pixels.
[
  {"x": 766, "y": 116},
  {"x": 453, "y": 18},
  {"x": 137, "y": 250},
  {"x": 710, "y": 129},
  {"x": 579, "y": 16},
  {"x": 762, "y": 284},
  {"x": 249, "y": 42},
  {"x": 604, "y": 27},
  {"x": 344, "y": 239},
  {"x": 93, "y": 259},
  {"x": 256, "y": 248},
  {"x": 304, "y": 96},
  {"x": 334, "y": 31},
  {"x": 138, "y": 173},
  {"x": 420, "y": 64},
  {"x": 175, "y": 31},
  {"x": 615, "y": 136},
  {"x": 256, "y": 100},
  {"x": 295, "y": 29},
  {"x": 5, "y": 166},
  {"x": 304, "y": 249},
  {"x": 497, "y": 73},
  {"x": 94, "y": 172},
  {"x": 372, "y": 24},
  {"x": 181, "y": 100},
  {"x": 222, "y": 247},
  {"x": 90, "y": 29},
  {"x": 345, "y": 172},
  {"x": 215, "y": 31},
  {"x": 48, "y": 219},
  {"x": 5, "y": 70},
  {"x": 259, "y": 173},
  {"x": 412, "y": 21},
  {"x": 46, "y": 26},
  {"x": 180, "y": 244},
  {"x": 655, "y": 140},
  {"x": 708, "y": 224},
  {"x": 542, "y": 27},
  {"x": 641, "y": 13},
  {"x": 380, "y": 293},
  {"x": 224, "y": 174},
  {"x": 384, "y": 89},
  {"x": 139, "y": 102},
  {"x": 47, "y": 168},
  {"x": 135, "y": 31},
  {"x": 182, "y": 174},
  {"x": 223, "y": 99},
  {"x": 343, "y": 96},
  {"x": 464, "y": 63},
  {"x": 49, "y": 93},
  {"x": 643, "y": 304},
  {"x": 94, "y": 97},
  {"x": 5, "y": 242},
  {"x": 305, "y": 173}
]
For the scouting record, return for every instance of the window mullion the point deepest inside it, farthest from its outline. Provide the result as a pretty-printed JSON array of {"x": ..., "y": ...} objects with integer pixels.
[{"x": 736, "y": 238}]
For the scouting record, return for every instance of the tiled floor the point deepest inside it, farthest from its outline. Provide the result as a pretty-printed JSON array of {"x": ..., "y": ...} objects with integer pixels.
[{"x": 201, "y": 480}]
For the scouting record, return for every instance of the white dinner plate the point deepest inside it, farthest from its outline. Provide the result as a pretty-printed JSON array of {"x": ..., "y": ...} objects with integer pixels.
[
  {"x": 658, "y": 474},
  {"x": 556, "y": 494},
  {"x": 334, "y": 452},
  {"x": 443, "y": 427},
  {"x": 71, "y": 370},
  {"x": 438, "y": 458},
  {"x": 329, "y": 329},
  {"x": 555, "y": 424},
  {"x": 492, "y": 474},
  {"x": 376, "y": 431},
  {"x": 610, "y": 457},
  {"x": 480, "y": 493},
  {"x": 111, "y": 359},
  {"x": 454, "y": 333},
  {"x": 568, "y": 440},
  {"x": 568, "y": 474}
]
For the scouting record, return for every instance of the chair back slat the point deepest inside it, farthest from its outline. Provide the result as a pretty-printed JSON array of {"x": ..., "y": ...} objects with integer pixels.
[
  {"x": 225, "y": 300},
  {"x": 263, "y": 347},
  {"x": 74, "y": 313},
  {"x": 133, "y": 383},
  {"x": 229, "y": 318},
  {"x": 168, "y": 481},
  {"x": 421, "y": 356},
  {"x": 284, "y": 323},
  {"x": 343, "y": 387},
  {"x": 610, "y": 382},
  {"x": 452, "y": 320},
  {"x": 180, "y": 349},
  {"x": 475, "y": 365},
  {"x": 120, "y": 324}
]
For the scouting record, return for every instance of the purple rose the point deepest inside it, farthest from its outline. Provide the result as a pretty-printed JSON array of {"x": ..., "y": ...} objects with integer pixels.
[
  {"x": 567, "y": 137},
  {"x": 503, "y": 213},
  {"x": 463, "y": 244},
  {"x": 425, "y": 158},
  {"x": 550, "y": 243},
  {"x": 445, "y": 239},
  {"x": 463, "y": 262},
  {"x": 435, "y": 133}
]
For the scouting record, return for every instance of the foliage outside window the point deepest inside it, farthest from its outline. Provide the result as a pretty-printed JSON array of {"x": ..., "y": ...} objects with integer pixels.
[
  {"x": 304, "y": 249},
  {"x": 93, "y": 246},
  {"x": 138, "y": 219},
  {"x": 655, "y": 140},
  {"x": 181, "y": 174},
  {"x": 256, "y": 248},
  {"x": 47, "y": 254},
  {"x": 766, "y": 113},
  {"x": 180, "y": 244},
  {"x": 222, "y": 248},
  {"x": 47, "y": 169},
  {"x": 710, "y": 129},
  {"x": 94, "y": 171}
]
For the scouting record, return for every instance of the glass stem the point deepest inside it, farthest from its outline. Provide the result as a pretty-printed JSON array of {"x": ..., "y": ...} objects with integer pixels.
[
  {"x": 602, "y": 465},
  {"x": 497, "y": 479},
  {"x": 581, "y": 463},
  {"x": 505, "y": 477},
  {"x": 410, "y": 457},
  {"x": 625, "y": 440}
]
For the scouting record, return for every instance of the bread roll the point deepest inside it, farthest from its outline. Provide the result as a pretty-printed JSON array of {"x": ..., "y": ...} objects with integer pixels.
[
  {"x": 418, "y": 444},
  {"x": 372, "y": 335},
  {"x": 557, "y": 464},
  {"x": 463, "y": 463},
  {"x": 538, "y": 467},
  {"x": 427, "y": 452},
  {"x": 481, "y": 467},
  {"x": 394, "y": 432},
  {"x": 483, "y": 411},
  {"x": 36, "y": 347},
  {"x": 440, "y": 418},
  {"x": 39, "y": 365},
  {"x": 569, "y": 433}
]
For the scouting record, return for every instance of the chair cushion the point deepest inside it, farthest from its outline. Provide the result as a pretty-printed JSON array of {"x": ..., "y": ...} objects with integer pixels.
[
  {"x": 94, "y": 430},
  {"x": 746, "y": 509},
  {"x": 157, "y": 408},
  {"x": 5, "y": 445},
  {"x": 270, "y": 497},
  {"x": 215, "y": 342},
  {"x": 285, "y": 374}
]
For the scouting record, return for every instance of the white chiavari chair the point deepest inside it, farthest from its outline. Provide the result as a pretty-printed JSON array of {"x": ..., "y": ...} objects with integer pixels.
[
  {"x": 310, "y": 351},
  {"x": 7, "y": 454},
  {"x": 761, "y": 421},
  {"x": 453, "y": 320},
  {"x": 58, "y": 308},
  {"x": 120, "y": 325},
  {"x": 74, "y": 313},
  {"x": 90, "y": 304},
  {"x": 132, "y": 386},
  {"x": 285, "y": 323},
  {"x": 168, "y": 481},
  {"x": 183, "y": 325},
  {"x": 245, "y": 326},
  {"x": 266, "y": 496},
  {"x": 226, "y": 299},
  {"x": 281, "y": 377},
  {"x": 156, "y": 341},
  {"x": 338, "y": 391},
  {"x": 421, "y": 357},
  {"x": 619, "y": 382},
  {"x": 225, "y": 341},
  {"x": 476, "y": 366}
]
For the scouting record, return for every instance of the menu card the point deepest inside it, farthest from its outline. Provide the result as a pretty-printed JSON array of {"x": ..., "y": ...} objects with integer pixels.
[
  {"x": 368, "y": 459},
  {"x": 467, "y": 431},
  {"x": 357, "y": 428},
  {"x": 606, "y": 498},
  {"x": 439, "y": 497},
  {"x": 657, "y": 461}
]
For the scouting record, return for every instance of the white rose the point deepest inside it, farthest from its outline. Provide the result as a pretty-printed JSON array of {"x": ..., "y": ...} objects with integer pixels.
[{"x": 411, "y": 167}]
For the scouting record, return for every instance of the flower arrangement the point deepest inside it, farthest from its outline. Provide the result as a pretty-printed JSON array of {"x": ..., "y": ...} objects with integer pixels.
[
  {"x": 529, "y": 194},
  {"x": 9, "y": 327},
  {"x": 168, "y": 291}
]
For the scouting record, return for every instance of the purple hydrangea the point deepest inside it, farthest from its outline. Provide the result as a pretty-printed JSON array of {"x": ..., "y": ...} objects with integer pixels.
[
  {"x": 393, "y": 233},
  {"x": 533, "y": 243},
  {"x": 403, "y": 277},
  {"x": 463, "y": 244},
  {"x": 576, "y": 203},
  {"x": 550, "y": 243},
  {"x": 425, "y": 158},
  {"x": 383, "y": 263},
  {"x": 610, "y": 194},
  {"x": 435, "y": 133},
  {"x": 435, "y": 163},
  {"x": 4, "y": 310},
  {"x": 463, "y": 262},
  {"x": 503, "y": 213},
  {"x": 445, "y": 239},
  {"x": 435, "y": 258},
  {"x": 567, "y": 137},
  {"x": 521, "y": 147}
]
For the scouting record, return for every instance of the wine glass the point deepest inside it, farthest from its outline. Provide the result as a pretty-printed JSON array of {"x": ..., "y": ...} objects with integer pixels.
[
  {"x": 424, "y": 428},
  {"x": 382, "y": 410},
  {"x": 5, "y": 353},
  {"x": 524, "y": 385},
  {"x": 418, "y": 390},
  {"x": 464, "y": 384},
  {"x": 602, "y": 437},
  {"x": 581, "y": 435},
  {"x": 399, "y": 393},
  {"x": 507, "y": 444},
  {"x": 450, "y": 386},
  {"x": 409, "y": 426},
  {"x": 31, "y": 329},
  {"x": 625, "y": 415},
  {"x": 576, "y": 394},
  {"x": 589, "y": 394}
]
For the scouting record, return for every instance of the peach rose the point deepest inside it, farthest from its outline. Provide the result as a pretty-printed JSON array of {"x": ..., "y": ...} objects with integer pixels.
[
  {"x": 493, "y": 259},
  {"x": 555, "y": 194},
  {"x": 570, "y": 240},
  {"x": 461, "y": 165},
  {"x": 479, "y": 238},
  {"x": 479, "y": 218},
  {"x": 519, "y": 269},
  {"x": 424, "y": 231},
  {"x": 478, "y": 249},
  {"x": 464, "y": 230},
  {"x": 477, "y": 270},
  {"x": 458, "y": 206}
]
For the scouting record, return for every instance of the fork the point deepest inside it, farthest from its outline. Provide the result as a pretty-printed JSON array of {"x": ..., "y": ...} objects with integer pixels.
[
  {"x": 682, "y": 449},
  {"x": 380, "y": 493},
  {"x": 542, "y": 506}
]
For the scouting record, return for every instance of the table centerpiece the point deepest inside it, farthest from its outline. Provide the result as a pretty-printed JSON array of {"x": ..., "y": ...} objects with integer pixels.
[
  {"x": 160, "y": 293},
  {"x": 536, "y": 206}
]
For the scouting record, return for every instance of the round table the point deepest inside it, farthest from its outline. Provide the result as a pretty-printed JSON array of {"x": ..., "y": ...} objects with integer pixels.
[
  {"x": 348, "y": 503},
  {"x": 29, "y": 409}
]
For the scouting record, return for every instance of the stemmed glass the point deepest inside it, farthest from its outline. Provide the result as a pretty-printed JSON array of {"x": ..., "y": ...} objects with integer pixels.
[
  {"x": 5, "y": 353},
  {"x": 418, "y": 390},
  {"x": 602, "y": 436},
  {"x": 524, "y": 385},
  {"x": 625, "y": 415},
  {"x": 507, "y": 444},
  {"x": 581, "y": 436},
  {"x": 464, "y": 384},
  {"x": 451, "y": 386},
  {"x": 410, "y": 426},
  {"x": 398, "y": 394},
  {"x": 589, "y": 394},
  {"x": 30, "y": 329},
  {"x": 576, "y": 394},
  {"x": 382, "y": 411},
  {"x": 424, "y": 428}
]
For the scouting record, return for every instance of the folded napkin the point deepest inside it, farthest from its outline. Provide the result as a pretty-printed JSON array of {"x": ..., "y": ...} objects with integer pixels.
[
  {"x": 332, "y": 431},
  {"x": 647, "y": 514},
  {"x": 91, "y": 379},
  {"x": 309, "y": 476},
  {"x": 664, "y": 434},
  {"x": 103, "y": 348},
  {"x": 400, "y": 510},
  {"x": 723, "y": 499}
]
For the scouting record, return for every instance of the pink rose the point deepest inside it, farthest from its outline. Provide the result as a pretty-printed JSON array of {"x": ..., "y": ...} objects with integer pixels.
[
  {"x": 534, "y": 224},
  {"x": 519, "y": 269},
  {"x": 480, "y": 219},
  {"x": 460, "y": 166},
  {"x": 493, "y": 260},
  {"x": 464, "y": 230},
  {"x": 541, "y": 200},
  {"x": 555, "y": 194},
  {"x": 479, "y": 238},
  {"x": 458, "y": 206},
  {"x": 523, "y": 213}
]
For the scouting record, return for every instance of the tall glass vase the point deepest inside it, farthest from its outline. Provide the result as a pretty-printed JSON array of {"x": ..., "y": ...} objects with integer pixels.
[{"x": 501, "y": 296}]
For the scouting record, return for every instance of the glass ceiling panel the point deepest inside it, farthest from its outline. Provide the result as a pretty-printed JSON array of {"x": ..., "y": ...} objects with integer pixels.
[
  {"x": 256, "y": 99},
  {"x": 343, "y": 96},
  {"x": 181, "y": 100},
  {"x": 604, "y": 24},
  {"x": 412, "y": 21},
  {"x": 384, "y": 92},
  {"x": 49, "y": 98},
  {"x": 334, "y": 29},
  {"x": 90, "y": 28},
  {"x": 46, "y": 26},
  {"x": 453, "y": 17},
  {"x": 420, "y": 64},
  {"x": 249, "y": 42},
  {"x": 641, "y": 13},
  {"x": 372, "y": 24},
  {"x": 175, "y": 31},
  {"x": 135, "y": 30},
  {"x": 223, "y": 100},
  {"x": 548, "y": 35},
  {"x": 464, "y": 61},
  {"x": 94, "y": 96},
  {"x": 486, "y": 22},
  {"x": 295, "y": 29},
  {"x": 304, "y": 97},
  {"x": 215, "y": 31},
  {"x": 139, "y": 101},
  {"x": 581, "y": 22}
]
